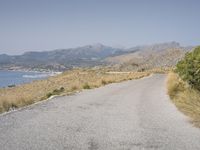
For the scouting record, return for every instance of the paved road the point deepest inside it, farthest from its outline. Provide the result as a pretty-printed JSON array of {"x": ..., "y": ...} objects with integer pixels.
[{"x": 133, "y": 115}]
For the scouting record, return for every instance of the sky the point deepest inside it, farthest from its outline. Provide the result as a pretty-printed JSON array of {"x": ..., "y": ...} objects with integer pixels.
[{"x": 38, "y": 25}]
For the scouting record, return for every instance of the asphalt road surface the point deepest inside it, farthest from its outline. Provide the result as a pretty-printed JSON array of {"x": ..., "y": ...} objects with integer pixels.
[{"x": 132, "y": 115}]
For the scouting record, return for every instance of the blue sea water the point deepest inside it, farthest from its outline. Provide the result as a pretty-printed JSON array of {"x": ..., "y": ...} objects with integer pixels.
[{"x": 19, "y": 77}]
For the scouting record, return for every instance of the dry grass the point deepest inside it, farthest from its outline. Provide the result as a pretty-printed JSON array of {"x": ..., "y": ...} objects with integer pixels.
[
  {"x": 184, "y": 97},
  {"x": 161, "y": 70},
  {"x": 63, "y": 84}
]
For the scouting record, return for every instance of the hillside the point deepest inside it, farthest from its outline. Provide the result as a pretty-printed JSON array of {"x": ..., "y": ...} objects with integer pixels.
[
  {"x": 148, "y": 57},
  {"x": 135, "y": 58}
]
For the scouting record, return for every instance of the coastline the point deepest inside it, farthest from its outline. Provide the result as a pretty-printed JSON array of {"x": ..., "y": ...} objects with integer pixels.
[
  {"x": 31, "y": 70},
  {"x": 11, "y": 78}
]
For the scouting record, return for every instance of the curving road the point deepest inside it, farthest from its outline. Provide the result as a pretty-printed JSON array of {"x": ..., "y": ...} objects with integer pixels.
[{"x": 133, "y": 115}]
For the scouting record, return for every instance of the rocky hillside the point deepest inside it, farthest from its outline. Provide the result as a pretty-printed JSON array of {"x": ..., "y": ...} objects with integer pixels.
[{"x": 148, "y": 57}]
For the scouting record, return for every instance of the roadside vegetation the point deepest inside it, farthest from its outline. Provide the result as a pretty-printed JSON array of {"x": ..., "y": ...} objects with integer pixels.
[
  {"x": 68, "y": 82},
  {"x": 184, "y": 85}
]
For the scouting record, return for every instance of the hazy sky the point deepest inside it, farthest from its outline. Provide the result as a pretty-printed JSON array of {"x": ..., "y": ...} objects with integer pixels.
[{"x": 51, "y": 24}]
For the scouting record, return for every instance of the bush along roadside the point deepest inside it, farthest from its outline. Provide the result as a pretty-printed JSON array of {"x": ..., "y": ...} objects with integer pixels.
[
  {"x": 184, "y": 85},
  {"x": 189, "y": 68},
  {"x": 55, "y": 92}
]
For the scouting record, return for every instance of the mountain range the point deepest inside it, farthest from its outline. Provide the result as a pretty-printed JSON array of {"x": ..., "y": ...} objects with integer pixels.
[{"x": 148, "y": 56}]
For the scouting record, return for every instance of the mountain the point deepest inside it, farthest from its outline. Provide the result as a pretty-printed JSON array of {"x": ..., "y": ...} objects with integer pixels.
[
  {"x": 149, "y": 56},
  {"x": 61, "y": 59},
  {"x": 135, "y": 58}
]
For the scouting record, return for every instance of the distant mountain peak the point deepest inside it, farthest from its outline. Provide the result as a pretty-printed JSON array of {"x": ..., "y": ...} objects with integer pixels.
[{"x": 95, "y": 46}]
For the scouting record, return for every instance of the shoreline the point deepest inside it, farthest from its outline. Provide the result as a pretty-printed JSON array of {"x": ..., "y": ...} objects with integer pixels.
[
  {"x": 26, "y": 76},
  {"x": 31, "y": 70}
]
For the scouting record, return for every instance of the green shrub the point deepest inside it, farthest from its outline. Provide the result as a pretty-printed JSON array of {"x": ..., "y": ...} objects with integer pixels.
[
  {"x": 86, "y": 86},
  {"x": 55, "y": 92},
  {"x": 103, "y": 82},
  {"x": 189, "y": 68},
  {"x": 49, "y": 94},
  {"x": 62, "y": 89}
]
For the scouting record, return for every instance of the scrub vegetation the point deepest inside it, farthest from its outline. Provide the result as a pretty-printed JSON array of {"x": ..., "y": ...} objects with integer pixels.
[{"x": 184, "y": 85}]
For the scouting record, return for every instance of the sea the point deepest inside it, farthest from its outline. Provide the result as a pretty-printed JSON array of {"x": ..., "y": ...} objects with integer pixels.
[{"x": 10, "y": 78}]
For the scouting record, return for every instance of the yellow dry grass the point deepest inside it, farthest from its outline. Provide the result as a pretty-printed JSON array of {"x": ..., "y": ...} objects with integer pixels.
[
  {"x": 184, "y": 97},
  {"x": 70, "y": 81}
]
